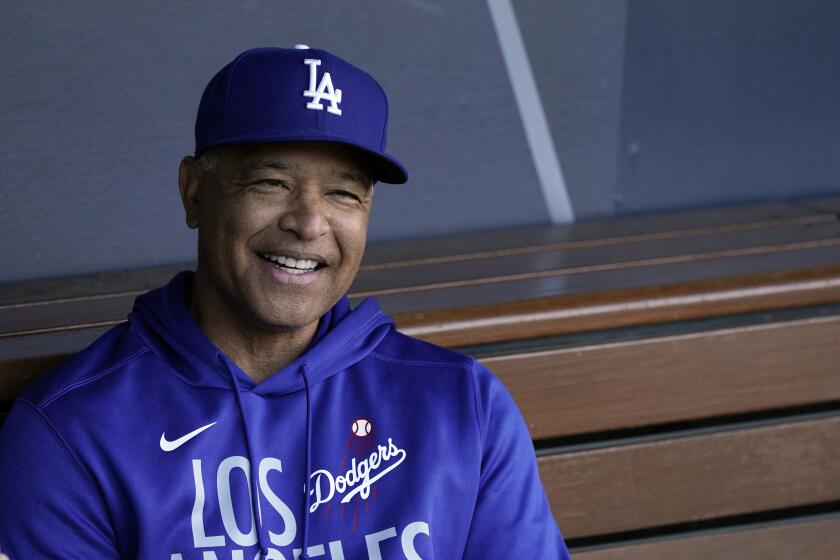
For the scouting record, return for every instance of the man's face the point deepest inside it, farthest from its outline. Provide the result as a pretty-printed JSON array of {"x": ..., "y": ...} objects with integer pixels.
[{"x": 282, "y": 229}]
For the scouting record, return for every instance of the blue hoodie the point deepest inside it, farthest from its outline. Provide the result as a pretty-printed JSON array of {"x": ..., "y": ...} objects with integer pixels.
[{"x": 151, "y": 443}]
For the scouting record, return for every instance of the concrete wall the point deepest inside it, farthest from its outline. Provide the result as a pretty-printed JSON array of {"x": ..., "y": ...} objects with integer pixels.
[{"x": 728, "y": 102}]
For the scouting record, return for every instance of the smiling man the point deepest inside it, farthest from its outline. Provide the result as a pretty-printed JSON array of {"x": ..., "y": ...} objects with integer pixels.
[
  {"x": 244, "y": 410},
  {"x": 282, "y": 230}
]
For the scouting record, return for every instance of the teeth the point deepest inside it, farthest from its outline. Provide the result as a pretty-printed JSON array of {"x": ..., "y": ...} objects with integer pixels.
[{"x": 294, "y": 266}]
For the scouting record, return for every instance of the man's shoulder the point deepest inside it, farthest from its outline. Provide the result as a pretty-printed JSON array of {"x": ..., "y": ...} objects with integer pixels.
[
  {"x": 402, "y": 348},
  {"x": 106, "y": 355}
]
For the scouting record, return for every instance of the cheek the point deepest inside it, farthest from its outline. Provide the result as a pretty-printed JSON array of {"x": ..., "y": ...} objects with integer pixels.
[
  {"x": 236, "y": 221},
  {"x": 353, "y": 235}
]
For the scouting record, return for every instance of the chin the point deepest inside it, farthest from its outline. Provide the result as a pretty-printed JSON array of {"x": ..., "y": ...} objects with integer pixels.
[{"x": 278, "y": 320}]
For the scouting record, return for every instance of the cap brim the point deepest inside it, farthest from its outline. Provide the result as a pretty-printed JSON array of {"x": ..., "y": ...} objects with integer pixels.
[{"x": 387, "y": 168}]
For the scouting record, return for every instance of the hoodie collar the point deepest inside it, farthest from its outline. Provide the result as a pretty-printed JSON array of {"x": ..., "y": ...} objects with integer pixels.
[{"x": 343, "y": 337}]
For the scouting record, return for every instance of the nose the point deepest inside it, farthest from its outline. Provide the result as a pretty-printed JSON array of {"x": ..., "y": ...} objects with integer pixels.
[{"x": 304, "y": 215}]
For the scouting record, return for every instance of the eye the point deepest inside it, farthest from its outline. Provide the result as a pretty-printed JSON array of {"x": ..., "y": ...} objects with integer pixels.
[
  {"x": 271, "y": 182},
  {"x": 274, "y": 183},
  {"x": 346, "y": 196}
]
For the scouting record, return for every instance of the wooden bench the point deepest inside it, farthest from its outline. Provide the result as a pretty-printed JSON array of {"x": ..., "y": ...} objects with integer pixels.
[{"x": 680, "y": 373}]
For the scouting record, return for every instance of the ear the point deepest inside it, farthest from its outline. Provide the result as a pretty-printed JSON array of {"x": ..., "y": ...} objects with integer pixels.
[{"x": 189, "y": 183}]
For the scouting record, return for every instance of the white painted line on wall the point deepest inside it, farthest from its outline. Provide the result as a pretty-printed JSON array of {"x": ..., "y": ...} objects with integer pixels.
[{"x": 531, "y": 111}]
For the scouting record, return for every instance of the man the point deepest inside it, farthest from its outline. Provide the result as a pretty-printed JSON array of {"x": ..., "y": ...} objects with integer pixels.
[{"x": 244, "y": 410}]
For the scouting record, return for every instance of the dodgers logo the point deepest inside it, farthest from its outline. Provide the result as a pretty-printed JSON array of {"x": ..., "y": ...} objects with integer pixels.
[
  {"x": 358, "y": 478},
  {"x": 323, "y": 90}
]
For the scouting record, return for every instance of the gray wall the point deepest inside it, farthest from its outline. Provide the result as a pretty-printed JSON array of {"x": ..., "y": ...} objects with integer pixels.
[
  {"x": 729, "y": 102},
  {"x": 652, "y": 105}
]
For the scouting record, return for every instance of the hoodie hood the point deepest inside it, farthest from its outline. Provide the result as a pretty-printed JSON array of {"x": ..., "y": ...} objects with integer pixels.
[{"x": 162, "y": 318}]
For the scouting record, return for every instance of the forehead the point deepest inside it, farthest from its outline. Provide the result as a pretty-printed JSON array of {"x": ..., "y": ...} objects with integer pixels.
[{"x": 321, "y": 157}]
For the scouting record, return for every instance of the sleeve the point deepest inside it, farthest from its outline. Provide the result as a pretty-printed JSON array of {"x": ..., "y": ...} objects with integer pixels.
[
  {"x": 49, "y": 508},
  {"x": 512, "y": 512}
]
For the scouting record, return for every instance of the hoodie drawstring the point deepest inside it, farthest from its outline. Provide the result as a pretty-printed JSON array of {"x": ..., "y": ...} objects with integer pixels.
[
  {"x": 255, "y": 495},
  {"x": 304, "y": 555}
]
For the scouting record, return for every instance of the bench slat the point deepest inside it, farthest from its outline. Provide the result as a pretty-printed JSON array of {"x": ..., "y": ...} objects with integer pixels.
[
  {"x": 692, "y": 223},
  {"x": 617, "y": 256},
  {"x": 593, "y": 279},
  {"x": 811, "y": 539},
  {"x": 676, "y": 378},
  {"x": 707, "y": 476},
  {"x": 564, "y": 314}
]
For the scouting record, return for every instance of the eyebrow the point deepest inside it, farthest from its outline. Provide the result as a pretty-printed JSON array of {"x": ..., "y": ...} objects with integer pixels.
[
  {"x": 255, "y": 166},
  {"x": 364, "y": 182}
]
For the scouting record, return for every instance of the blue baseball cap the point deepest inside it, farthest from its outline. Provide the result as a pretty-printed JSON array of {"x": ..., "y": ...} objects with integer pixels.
[{"x": 294, "y": 95}]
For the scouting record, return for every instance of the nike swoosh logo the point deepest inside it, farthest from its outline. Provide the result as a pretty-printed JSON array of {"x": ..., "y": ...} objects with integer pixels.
[{"x": 167, "y": 445}]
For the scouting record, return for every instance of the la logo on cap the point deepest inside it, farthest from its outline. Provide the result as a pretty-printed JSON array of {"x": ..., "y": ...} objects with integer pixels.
[{"x": 325, "y": 89}]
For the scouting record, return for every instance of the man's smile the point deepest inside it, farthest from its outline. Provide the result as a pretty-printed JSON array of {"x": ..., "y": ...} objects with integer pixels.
[
  {"x": 291, "y": 264},
  {"x": 289, "y": 269}
]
